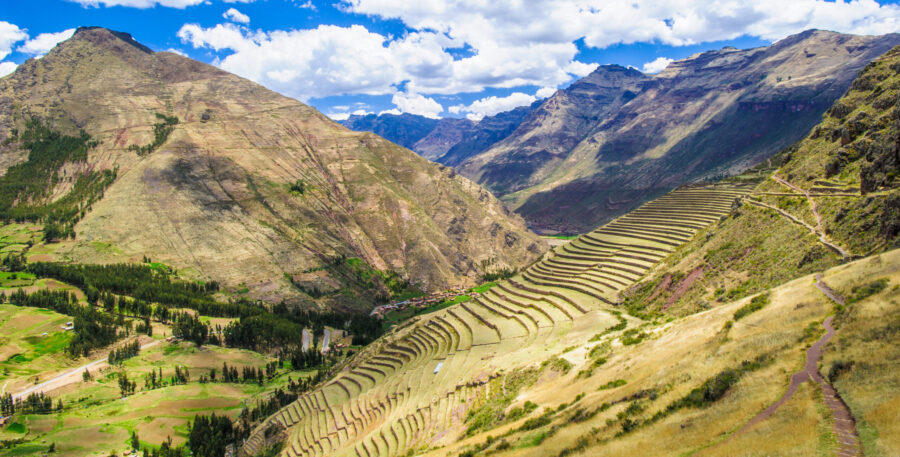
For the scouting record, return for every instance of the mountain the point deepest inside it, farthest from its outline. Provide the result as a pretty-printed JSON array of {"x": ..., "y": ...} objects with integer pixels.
[
  {"x": 403, "y": 129},
  {"x": 224, "y": 180},
  {"x": 448, "y": 141},
  {"x": 617, "y": 137},
  {"x": 755, "y": 315}
]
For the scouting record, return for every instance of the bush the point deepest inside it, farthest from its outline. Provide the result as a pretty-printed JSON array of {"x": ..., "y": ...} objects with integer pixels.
[
  {"x": 756, "y": 304},
  {"x": 867, "y": 290}
]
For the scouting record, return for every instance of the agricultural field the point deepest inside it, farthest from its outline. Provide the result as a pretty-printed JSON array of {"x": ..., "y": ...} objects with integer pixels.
[
  {"x": 98, "y": 420},
  {"x": 25, "y": 350}
]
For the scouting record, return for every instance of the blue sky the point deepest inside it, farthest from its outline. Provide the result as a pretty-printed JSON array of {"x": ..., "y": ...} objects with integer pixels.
[{"x": 454, "y": 58}]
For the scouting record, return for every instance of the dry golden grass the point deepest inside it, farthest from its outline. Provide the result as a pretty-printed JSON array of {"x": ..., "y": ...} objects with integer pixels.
[{"x": 692, "y": 349}]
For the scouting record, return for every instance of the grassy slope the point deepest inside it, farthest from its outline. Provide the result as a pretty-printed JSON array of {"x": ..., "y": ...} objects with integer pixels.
[
  {"x": 681, "y": 355},
  {"x": 757, "y": 248}
]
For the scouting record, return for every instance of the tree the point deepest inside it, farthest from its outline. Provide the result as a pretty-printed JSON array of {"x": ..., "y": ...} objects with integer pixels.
[{"x": 135, "y": 441}]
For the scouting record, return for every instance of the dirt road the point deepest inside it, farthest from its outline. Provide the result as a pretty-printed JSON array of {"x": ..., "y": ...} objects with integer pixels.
[{"x": 70, "y": 376}]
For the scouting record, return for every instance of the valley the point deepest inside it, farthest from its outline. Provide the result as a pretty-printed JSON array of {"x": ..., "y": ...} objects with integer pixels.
[{"x": 701, "y": 261}]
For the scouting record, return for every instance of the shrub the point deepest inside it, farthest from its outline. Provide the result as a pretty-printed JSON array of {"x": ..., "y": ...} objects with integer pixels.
[
  {"x": 756, "y": 304},
  {"x": 613, "y": 384},
  {"x": 867, "y": 290}
]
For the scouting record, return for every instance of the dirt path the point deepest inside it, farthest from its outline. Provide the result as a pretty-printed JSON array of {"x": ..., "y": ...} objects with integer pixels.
[
  {"x": 798, "y": 221},
  {"x": 820, "y": 228},
  {"x": 70, "y": 376},
  {"x": 829, "y": 292},
  {"x": 844, "y": 425}
]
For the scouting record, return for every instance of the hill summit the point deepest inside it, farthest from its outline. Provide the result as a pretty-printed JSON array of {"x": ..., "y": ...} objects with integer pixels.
[{"x": 225, "y": 180}]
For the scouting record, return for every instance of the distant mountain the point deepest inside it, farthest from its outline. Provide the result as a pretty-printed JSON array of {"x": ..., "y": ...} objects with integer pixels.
[
  {"x": 617, "y": 137},
  {"x": 225, "y": 180},
  {"x": 403, "y": 129},
  {"x": 448, "y": 141}
]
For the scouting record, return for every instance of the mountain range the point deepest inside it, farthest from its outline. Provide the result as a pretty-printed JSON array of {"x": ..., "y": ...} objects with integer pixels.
[{"x": 618, "y": 137}]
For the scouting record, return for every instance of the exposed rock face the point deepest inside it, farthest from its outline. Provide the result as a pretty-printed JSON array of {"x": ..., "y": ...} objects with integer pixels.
[
  {"x": 214, "y": 200},
  {"x": 618, "y": 138},
  {"x": 448, "y": 141}
]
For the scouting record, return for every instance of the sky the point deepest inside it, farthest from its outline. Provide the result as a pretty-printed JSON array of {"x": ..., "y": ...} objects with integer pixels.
[{"x": 451, "y": 58}]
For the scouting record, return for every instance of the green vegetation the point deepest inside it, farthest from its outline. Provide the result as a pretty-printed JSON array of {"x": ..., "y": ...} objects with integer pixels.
[
  {"x": 558, "y": 364},
  {"x": 161, "y": 131},
  {"x": 498, "y": 275},
  {"x": 866, "y": 290},
  {"x": 613, "y": 384},
  {"x": 756, "y": 303},
  {"x": 615, "y": 328},
  {"x": 492, "y": 411},
  {"x": 26, "y": 188},
  {"x": 298, "y": 188}
]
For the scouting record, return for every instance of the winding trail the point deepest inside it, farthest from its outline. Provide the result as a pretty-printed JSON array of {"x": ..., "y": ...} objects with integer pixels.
[
  {"x": 820, "y": 228},
  {"x": 798, "y": 221},
  {"x": 844, "y": 426}
]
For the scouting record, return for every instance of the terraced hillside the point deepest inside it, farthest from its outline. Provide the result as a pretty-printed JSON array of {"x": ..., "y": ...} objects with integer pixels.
[{"x": 417, "y": 386}]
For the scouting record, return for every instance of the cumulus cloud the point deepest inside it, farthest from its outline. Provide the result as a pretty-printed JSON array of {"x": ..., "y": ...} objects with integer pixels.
[
  {"x": 545, "y": 92},
  {"x": 601, "y": 24},
  {"x": 7, "y": 68},
  {"x": 44, "y": 42},
  {"x": 511, "y": 44},
  {"x": 180, "y": 4},
  {"x": 10, "y": 34},
  {"x": 236, "y": 16},
  {"x": 177, "y": 51},
  {"x": 657, "y": 65},
  {"x": 492, "y": 105},
  {"x": 417, "y": 104}
]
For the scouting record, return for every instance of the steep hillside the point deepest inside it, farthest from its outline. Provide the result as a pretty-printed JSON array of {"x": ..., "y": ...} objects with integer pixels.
[
  {"x": 225, "y": 180},
  {"x": 448, "y": 141},
  {"x": 618, "y": 138},
  {"x": 833, "y": 196},
  {"x": 741, "y": 317}
]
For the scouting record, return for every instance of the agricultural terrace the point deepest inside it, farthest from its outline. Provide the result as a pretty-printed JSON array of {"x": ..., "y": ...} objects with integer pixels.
[{"x": 419, "y": 385}]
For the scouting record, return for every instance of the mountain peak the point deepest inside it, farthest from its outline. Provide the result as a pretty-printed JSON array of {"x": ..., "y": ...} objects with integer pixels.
[{"x": 107, "y": 38}]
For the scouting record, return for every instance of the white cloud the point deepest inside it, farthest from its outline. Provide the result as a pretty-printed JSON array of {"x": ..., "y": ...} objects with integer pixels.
[
  {"x": 7, "y": 68},
  {"x": 657, "y": 65},
  {"x": 180, "y": 4},
  {"x": 391, "y": 111},
  {"x": 417, "y": 104},
  {"x": 344, "y": 116},
  {"x": 236, "y": 16},
  {"x": 679, "y": 22},
  {"x": 308, "y": 5},
  {"x": 177, "y": 51},
  {"x": 512, "y": 44},
  {"x": 10, "y": 34},
  {"x": 492, "y": 105},
  {"x": 545, "y": 92},
  {"x": 44, "y": 42}
]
